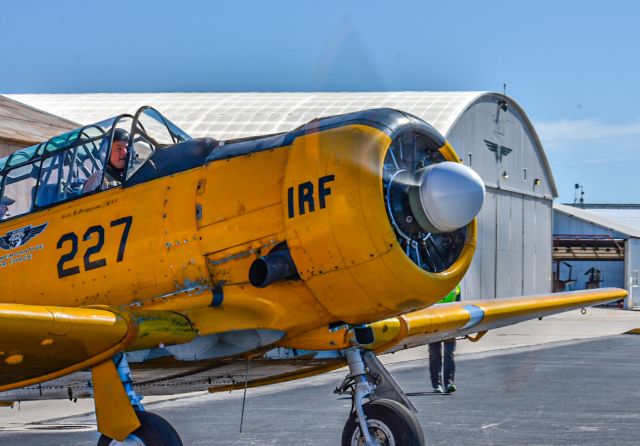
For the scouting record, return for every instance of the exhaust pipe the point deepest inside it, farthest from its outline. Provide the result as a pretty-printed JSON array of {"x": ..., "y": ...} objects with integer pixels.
[{"x": 277, "y": 265}]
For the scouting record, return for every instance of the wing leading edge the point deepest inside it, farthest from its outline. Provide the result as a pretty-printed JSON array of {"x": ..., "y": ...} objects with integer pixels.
[
  {"x": 446, "y": 321},
  {"x": 464, "y": 318}
]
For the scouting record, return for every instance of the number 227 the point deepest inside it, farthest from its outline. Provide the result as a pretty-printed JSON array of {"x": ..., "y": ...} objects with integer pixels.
[{"x": 89, "y": 263}]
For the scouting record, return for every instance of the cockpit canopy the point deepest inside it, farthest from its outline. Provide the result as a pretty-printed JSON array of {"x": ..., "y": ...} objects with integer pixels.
[{"x": 61, "y": 168}]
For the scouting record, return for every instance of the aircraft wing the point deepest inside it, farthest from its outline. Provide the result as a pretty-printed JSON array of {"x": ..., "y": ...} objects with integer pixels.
[
  {"x": 445, "y": 321},
  {"x": 311, "y": 354},
  {"x": 40, "y": 343},
  {"x": 440, "y": 322},
  {"x": 432, "y": 324}
]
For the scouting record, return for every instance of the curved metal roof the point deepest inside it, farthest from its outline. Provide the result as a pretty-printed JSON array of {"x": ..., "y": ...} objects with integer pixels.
[
  {"x": 591, "y": 217},
  {"x": 237, "y": 115},
  {"x": 234, "y": 115}
]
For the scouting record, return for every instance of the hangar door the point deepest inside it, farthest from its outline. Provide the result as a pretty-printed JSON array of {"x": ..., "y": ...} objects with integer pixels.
[
  {"x": 524, "y": 250},
  {"x": 514, "y": 249}
]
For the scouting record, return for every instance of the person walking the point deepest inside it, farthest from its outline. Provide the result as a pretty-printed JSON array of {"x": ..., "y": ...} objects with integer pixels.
[{"x": 442, "y": 368}]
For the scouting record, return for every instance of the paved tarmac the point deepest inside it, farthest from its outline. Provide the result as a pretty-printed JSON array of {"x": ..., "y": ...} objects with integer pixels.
[{"x": 563, "y": 392}]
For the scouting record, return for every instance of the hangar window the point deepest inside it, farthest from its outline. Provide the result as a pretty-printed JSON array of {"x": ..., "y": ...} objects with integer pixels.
[{"x": 524, "y": 174}]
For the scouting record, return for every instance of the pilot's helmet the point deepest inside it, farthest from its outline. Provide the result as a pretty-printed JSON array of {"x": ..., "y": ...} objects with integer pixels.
[{"x": 120, "y": 135}]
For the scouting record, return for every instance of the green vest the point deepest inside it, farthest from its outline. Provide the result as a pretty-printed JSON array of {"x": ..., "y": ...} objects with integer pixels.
[{"x": 453, "y": 296}]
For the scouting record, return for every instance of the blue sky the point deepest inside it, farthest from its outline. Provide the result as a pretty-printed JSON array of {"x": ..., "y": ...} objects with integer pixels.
[{"x": 572, "y": 65}]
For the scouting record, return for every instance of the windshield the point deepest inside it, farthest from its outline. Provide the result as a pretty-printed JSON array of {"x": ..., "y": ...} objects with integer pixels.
[{"x": 151, "y": 131}]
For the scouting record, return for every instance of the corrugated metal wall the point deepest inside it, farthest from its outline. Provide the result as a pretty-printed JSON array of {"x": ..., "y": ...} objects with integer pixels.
[
  {"x": 632, "y": 271},
  {"x": 514, "y": 247}
]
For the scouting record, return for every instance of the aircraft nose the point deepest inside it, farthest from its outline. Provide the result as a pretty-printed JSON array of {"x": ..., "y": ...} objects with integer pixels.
[{"x": 447, "y": 196}]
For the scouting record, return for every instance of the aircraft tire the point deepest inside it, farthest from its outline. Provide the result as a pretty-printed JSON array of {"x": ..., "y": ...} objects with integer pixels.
[
  {"x": 154, "y": 431},
  {"x": 390, "y": 423}
]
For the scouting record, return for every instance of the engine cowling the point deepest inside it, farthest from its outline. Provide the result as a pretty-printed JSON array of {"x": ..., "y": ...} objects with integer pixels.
[{"x": 381, "y": 214}]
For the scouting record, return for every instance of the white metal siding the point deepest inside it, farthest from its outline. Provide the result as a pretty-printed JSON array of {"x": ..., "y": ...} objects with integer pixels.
[{"x": 632, "y": 272}]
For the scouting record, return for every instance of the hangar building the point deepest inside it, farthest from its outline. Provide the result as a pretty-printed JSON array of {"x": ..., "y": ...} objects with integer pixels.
[
  {"x": 491, "y": 133},
  {"x": 587, "y": 244}
]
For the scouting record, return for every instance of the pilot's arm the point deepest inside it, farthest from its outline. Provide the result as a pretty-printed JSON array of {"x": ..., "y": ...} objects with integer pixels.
[{"x": 93, "y": 182}]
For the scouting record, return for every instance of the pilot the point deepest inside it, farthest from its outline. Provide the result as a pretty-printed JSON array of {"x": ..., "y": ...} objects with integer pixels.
[
  {"x": 115, "y": 171},
  {"x": 4, "y": 207}
]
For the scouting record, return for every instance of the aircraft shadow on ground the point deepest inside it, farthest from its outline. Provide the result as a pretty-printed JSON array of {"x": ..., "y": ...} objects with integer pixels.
[{"x": 427, "y": 394}]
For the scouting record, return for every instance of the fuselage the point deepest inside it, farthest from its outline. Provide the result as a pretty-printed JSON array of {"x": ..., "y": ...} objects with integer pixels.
[{"x": 185, "y": 241}]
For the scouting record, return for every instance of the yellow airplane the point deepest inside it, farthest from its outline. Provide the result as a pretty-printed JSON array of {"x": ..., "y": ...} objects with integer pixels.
[{"x": 137, "y": 260}]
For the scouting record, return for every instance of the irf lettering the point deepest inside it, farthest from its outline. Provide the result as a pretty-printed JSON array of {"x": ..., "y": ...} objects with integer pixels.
[{"x": 306, "y": 196}]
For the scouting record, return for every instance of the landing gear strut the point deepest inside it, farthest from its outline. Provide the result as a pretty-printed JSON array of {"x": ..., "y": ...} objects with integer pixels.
[
  {"x": 387, "y": 419},
  {"x": 120, "y": 400}
]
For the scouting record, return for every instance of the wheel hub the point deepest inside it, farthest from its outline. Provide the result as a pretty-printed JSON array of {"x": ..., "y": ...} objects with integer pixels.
[
  {"x": 131, "y": 440},
  {"x": 380, "y": 434}
]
